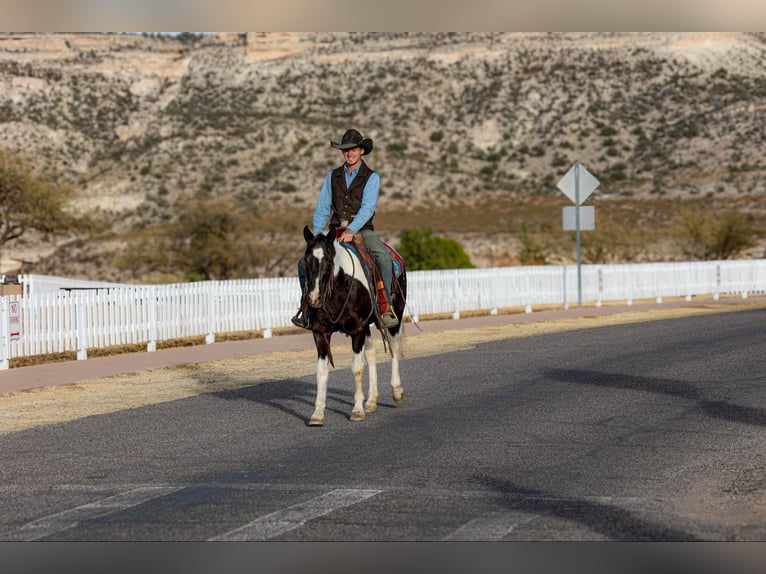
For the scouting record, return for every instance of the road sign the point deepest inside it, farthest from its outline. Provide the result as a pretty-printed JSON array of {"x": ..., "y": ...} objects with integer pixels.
[
  {"x": 576, "y": 177},
  {"x": 577, "y": 185},
  {"x": 14, "y": 321},
  {"x": 587, "y": 218}
]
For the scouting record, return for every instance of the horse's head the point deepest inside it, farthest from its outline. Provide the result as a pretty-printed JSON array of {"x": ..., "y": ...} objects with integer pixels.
[{"x": 320, "y": 254}]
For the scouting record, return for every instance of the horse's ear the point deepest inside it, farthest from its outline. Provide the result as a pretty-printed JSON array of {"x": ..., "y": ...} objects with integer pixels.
[
  {"x": 331, "y": 233},
  {"x": 307, "y": 235}
]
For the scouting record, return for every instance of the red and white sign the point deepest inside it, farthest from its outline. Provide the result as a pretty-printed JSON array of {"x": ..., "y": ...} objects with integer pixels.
[{"x": 14, "y": 321}]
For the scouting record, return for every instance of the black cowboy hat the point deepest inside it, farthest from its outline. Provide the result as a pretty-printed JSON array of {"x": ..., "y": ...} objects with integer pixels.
[{"x": 351, "y": 139}]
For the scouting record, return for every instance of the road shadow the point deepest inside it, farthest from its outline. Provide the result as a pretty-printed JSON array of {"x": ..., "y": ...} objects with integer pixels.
[
  {"x": 616, "y": 524},
  {"x": 283, "y": 394},
  {"x": 682, "y": 389}
]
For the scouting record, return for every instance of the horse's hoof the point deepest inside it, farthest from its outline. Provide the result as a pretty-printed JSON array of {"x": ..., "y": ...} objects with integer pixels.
[
  {"x": 370, "y": 408},
  {"x": 357, "y": 416},
  {"x": 316, "y": 422},
  {"x": 399, "y": 398}
]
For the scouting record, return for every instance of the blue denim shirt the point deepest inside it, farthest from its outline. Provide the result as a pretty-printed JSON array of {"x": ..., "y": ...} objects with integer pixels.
[{"x": 370, "y": 194}]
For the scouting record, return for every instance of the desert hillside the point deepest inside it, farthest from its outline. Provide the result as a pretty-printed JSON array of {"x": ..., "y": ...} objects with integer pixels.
[{"x": 471, "y": 131}]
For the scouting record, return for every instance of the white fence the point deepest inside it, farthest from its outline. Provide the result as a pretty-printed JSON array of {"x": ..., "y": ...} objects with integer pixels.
[{"x": 59, "y": 315}]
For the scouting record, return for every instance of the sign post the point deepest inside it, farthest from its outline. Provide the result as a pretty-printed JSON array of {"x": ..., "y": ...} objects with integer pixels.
[{"x": 577, "y": 185}]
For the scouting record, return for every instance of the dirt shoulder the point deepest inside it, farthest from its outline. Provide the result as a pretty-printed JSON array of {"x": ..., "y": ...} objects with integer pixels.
[{"x": 54, "y": 404}]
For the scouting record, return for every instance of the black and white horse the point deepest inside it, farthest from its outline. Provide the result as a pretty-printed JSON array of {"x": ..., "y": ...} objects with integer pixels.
[{"x": 340, "y": 298}]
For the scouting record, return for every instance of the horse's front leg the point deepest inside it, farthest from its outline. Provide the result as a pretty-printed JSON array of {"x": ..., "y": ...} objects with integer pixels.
[
  {"x": 372, "y": 365},
  {"x": 357, "y": 367},
  {"x": 322, "y": 341}
]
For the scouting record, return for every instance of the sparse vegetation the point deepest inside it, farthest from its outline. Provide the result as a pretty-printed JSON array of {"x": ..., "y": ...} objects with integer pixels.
[
  {"x": 485, "y": 119},
  {"x": 30, "y": 202},
  {"x": 210, "y": 239},
  {"x": 716, "y": 235}
]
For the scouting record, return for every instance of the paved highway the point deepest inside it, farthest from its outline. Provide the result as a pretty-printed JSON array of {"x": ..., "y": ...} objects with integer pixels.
[{"x": 651, "y": 431}]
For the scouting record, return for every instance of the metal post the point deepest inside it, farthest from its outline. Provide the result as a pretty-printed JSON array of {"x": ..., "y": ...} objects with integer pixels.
[{"x": 577, "y": 230}]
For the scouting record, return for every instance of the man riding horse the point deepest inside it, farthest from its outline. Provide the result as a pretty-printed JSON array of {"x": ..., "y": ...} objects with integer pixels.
[{"x": 348, "y": 199}]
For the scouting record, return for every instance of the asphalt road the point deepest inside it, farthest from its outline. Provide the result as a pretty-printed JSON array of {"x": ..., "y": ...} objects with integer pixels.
[{"x": 650, "y": 431}]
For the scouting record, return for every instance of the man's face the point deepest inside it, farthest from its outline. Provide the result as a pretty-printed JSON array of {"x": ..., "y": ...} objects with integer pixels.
[{"x": 352, "y": 156}]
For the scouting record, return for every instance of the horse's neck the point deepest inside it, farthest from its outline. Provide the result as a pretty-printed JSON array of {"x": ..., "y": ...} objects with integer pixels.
[{"x": 348, "y": 261}]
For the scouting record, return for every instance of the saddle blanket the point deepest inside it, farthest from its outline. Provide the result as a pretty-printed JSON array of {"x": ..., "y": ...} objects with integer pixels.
[{"x": 396, "y": 259}]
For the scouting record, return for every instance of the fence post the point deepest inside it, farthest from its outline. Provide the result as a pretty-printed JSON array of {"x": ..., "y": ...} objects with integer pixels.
[
  {"x": 717, "y": 290},
  {"x": 210, "y": 327},
  {"x": 657, "y": 289},
  {"x": 456, "y": 314},
  {"x": 688, "y": 283},
  {"x": 600, "y": 287},
  {"x": 4, "y": 335},
  {"x": 528, "y": 293},
  {"x": 564, "y": 286},
  {"x": 82, "y": 327},
  {"x": 151, "y": 303}
]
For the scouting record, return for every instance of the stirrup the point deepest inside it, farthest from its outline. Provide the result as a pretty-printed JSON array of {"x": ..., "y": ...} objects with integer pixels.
[
  {"x": 389, "y": 319},
  {"x": 301, "y": 320}
]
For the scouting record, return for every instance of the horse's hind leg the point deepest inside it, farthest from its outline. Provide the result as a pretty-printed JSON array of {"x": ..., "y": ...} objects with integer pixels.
[
  {"x": 372, "y": 366},
  {"x": 396, "y": 383}
]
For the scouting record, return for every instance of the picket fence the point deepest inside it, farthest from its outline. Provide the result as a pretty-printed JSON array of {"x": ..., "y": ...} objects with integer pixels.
[{"x": 56, "y": 315}]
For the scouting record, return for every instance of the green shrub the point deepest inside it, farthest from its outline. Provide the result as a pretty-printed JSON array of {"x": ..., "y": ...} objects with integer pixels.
[{"x": 422, "y": 250}]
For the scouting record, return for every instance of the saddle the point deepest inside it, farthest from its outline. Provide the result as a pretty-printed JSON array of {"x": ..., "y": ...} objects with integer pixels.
[{"x": 371, "y": 270}]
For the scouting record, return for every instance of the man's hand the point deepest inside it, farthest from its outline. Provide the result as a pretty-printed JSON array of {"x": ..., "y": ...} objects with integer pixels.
[{"x": 347, "y": 236}]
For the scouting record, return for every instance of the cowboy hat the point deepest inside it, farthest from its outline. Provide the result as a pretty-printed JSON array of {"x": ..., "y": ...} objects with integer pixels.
[{"x": 351, "y": 139}]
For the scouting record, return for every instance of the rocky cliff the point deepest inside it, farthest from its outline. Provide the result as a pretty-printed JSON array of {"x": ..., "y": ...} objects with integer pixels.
[{"x": 471, "y": 130}]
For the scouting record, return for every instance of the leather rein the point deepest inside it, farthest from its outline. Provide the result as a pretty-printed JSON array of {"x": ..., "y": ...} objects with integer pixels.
[{"x": 331, "y": 285}]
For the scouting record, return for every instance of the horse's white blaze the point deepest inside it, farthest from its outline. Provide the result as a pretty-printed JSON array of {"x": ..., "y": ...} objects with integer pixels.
[
  {"x": 350, "y": 264},
  {"x": 314, "y": 289}
]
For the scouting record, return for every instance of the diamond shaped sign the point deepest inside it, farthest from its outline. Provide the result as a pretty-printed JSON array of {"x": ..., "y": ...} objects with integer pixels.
[{"x": 586, "y": 181}]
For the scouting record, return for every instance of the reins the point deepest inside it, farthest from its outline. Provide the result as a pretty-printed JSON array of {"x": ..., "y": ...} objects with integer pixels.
[{"x": 348, "y": 293}]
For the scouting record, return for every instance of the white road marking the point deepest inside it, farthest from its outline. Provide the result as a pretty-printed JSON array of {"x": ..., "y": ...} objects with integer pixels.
[
  {"x": 292, "y": 517},
  {"x": 491, "y": 526},
  {"x": 58, "y": 522}
]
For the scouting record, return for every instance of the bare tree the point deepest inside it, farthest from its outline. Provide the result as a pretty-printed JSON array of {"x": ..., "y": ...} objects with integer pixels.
[{"x": 31, "y": 202}]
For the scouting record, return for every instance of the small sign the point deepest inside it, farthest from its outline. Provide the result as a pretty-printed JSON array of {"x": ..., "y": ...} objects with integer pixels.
[
  {"x": 14, "y": 321},
  {"x": 587, "y": 183},
  {"x": 587, "y": 218}
]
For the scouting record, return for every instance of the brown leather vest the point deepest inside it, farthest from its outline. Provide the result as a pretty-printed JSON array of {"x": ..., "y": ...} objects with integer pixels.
[{"x": 346, "y": 202}]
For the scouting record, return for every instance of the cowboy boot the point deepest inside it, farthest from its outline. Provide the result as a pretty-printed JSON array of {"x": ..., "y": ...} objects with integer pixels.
[
  {"x": 388, "y": 318},
  {"x": 301, "y": 318}
]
